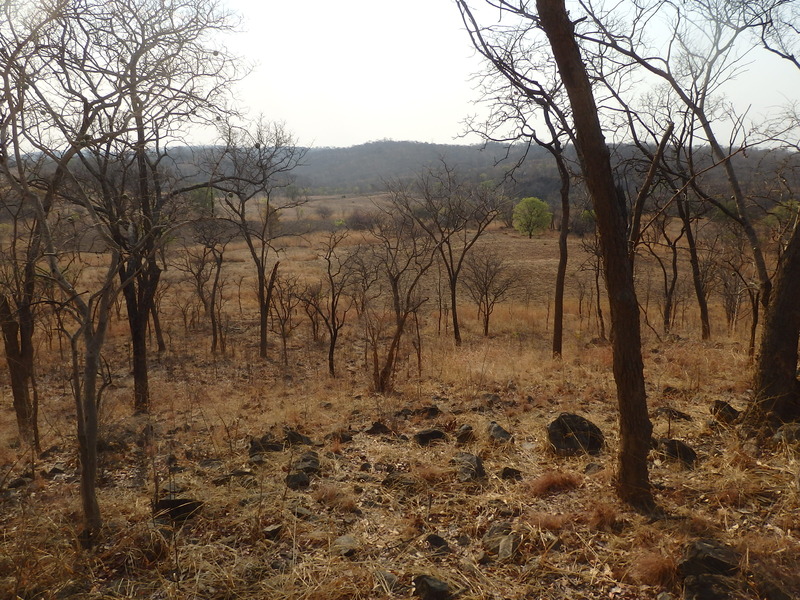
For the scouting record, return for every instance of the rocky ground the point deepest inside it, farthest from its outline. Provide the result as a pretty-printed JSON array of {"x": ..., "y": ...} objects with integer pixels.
[{"x": 447, "y": 491}]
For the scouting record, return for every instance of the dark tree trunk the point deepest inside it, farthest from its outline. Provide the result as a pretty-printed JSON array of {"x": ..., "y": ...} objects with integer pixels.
[
  {"x": 17, "y": 331},
  {"x": 777, "y": 396},
  {"x": 265, "y": 288},
  {"x": 632, "y": 482},
  {"x": 694, "y": 262},
  {"x": 162, "y": 344},
  {"x": 561, "y": 274},
  {"x": 453, "y": 281}
]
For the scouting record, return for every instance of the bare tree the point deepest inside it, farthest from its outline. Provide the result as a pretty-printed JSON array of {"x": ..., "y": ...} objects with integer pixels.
[
  {"x": 329, "y": 299},
  {"x": 453, "y": 214},
  {"x": 257, "y": 163},
  {"x": 488, "y": 280},
  {"x": 286, "y": 298},
  {"x": 401, "y": 253}
]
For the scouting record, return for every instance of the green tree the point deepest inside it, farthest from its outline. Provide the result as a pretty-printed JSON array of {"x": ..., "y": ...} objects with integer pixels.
[{"x": 532, "y": 215}]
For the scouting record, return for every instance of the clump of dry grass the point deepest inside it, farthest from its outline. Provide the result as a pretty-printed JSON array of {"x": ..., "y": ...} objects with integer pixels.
[
  {"x": 333, "y": 495},
  {"x": 653, "y": 568},
  {"x": 552, "y": 482}
]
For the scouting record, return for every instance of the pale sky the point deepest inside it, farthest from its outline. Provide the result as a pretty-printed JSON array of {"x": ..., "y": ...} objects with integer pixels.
[{"x": 344, "y": 72}]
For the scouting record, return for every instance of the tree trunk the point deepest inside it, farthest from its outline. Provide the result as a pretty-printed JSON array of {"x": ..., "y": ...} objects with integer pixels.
[
  {"x": 162, "y": 345},
  {"x": 561, "y": 274},
  {"x": 694, "y": 262},
  {"x": 453, "y": 281},
  {"x": 265, "y": 288},
  {"x": 19, "y": 358},
  {"x": 777, "y": 395},
  {"x": 632, "y": 482}
]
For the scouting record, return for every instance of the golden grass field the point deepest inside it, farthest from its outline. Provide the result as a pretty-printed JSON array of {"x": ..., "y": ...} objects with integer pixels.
[{"x": 256, "y": 538}]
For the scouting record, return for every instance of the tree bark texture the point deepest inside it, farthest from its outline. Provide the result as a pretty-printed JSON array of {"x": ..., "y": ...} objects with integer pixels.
[
  {"x": 777, "y": 394},
  {"x": 632, "y": 481}
]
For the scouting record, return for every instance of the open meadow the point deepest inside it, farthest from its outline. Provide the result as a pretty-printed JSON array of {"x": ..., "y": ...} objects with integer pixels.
[{"x": 275, "y": 480}]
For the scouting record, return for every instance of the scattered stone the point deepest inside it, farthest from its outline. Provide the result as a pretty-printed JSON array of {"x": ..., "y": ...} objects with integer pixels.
[
  {"x": 463, "y": 540},
  {"x": 295, "y": 438},
  {"x": 398, "y": 479},
  {"x": 298, "y": 480},
  {"x": 426, "y": 437},
  {"x": 308, "y": 462},
  {"x": 708, "y": 587},
  {"x": 465, "y": 434},
  {"x": 301, "y": 512},
  {"x": 52, "y": 450},
  {"x": 176, "y": 509},
  {"x": 345, "y": 545},
  {"x": 665, "y": 596},
  {"x": 592, "y": 468},
  {"x": 724, "y": 412},
  {"x": 788, "y": 433},
  {"x": 54, "y": 471},
  {"x": 677, "y": 450},
  {"x": 430, "y": 588},
  {"x": 266, "y": 443},
  {"x": 511, "y": 473},
  {"x": 499, "y": 435},
  {"x": 571, "y": 434},
  {"x": 708, "y": 557},
  {"x": 388, "y": 582},
  {"x": 437, "y": 543},
  {"x": 342, "y": 436},
  {"x": 18, "y": 482},
  {"x": 490, "y": 398},
  {"x": 470, "y": 467},
  {"x": 671, "y": 413},
  {"x": 365, "y": 467},
  {"x": 378, "y": 428},
  {"x": 500, "y": 541},
  {"x": 426, "y": 412},
  {"x": 273, "y": 532}
]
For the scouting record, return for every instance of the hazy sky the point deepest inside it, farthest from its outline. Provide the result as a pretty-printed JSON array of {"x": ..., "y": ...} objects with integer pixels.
[{"x": 344, "y": 72}]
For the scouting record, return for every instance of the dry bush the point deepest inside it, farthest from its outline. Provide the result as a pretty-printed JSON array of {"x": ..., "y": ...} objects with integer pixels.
[
  {"x": 552, "y": 482},
  {"x": 333, "y": 495},
  {"x": 549, "y": 521},
  {"x": 605, "y": 517},
  {"x": 653, "y": 568}
]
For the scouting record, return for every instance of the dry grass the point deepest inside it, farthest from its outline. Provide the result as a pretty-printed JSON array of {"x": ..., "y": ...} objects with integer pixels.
[{"x": 255, "y": 538}]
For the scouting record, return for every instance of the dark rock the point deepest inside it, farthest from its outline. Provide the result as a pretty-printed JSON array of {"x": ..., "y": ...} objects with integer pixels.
[
  {"x": 378, "y": 428},
  {"x": 465, "y": 434},
  {"x": 470, "y": 467},
  {"x": 398, "y": 479},
  {"x": 571, "y": 434},
  {"x": 365, "y": 467},
  {"x": 388, "y": 582},
  {"x": 708, "y": 557},
  {"x": 708, "y": 587},
  {"x": 677, "y": 450},
  {"x": 429, "y": 412},
  {"x": 176, "y": 509},
  {"x": 788, "y": 433},
  {"x": 297, "y": 480},
  {"x": 18, "y": 482},
  {"x": 500, "y": 541},
  {"x": 272, "y": 532},
  {"x": 295, "y": 438},
  {"x": 53, "y": 472},
  {"x": 463, "y": 540},
  {"x": 437, "y": 543},
  {"x": 511, "y": 473},
  {"x": 430, "y": 588},
  {"x": 724, "y": 412},
  {"x": 308, "y": 462},
  {"x": 345, "y": 545},
  {"x": 426, "y": 437},
  {"x": 266, "y": 443},
  {"x": 671, "y": 413},
  {"x": 592, "y": 468},
  {"x": 52, "y": 450},
  {"x": 342, "y": 436},
  {"x": 498, "y": 434}
]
